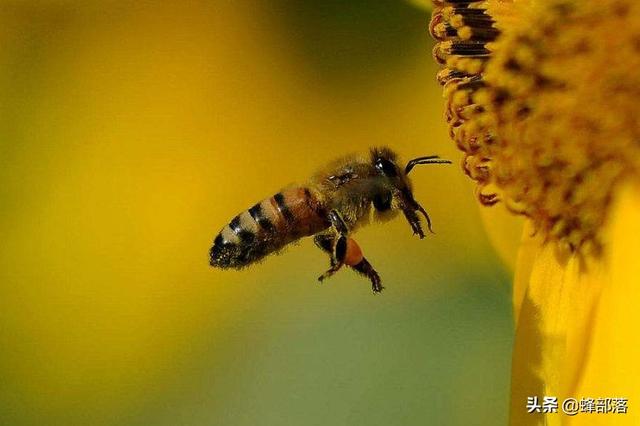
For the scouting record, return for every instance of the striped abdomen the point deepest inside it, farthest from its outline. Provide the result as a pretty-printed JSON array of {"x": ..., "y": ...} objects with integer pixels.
[{"x": 266, "y": 227}]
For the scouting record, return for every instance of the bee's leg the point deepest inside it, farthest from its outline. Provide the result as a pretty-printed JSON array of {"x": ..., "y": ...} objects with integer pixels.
[
  {"x": 335, "y": 243},
  {"x": 345, "y": 251},
  {"x": 365, "y": 268},
  {"x": 325, "y": 242},
  {"x": 354, "y": 259},
  {"x": 338, "y": 223},
  {"x": 338, "y": 252}
]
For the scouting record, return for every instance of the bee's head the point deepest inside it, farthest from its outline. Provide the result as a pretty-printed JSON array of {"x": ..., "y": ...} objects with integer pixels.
[{"x": 401, "y": 196}]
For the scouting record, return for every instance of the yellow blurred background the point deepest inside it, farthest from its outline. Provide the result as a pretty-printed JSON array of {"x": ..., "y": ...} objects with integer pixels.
[{"x": 131, "y": 132}]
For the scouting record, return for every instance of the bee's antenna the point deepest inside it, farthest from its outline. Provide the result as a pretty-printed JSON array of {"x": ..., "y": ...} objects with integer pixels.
[{"x": 430, "y": 159}]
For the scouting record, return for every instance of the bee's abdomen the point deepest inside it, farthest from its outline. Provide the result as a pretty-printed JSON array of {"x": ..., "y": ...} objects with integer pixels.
[{"x": 267, "y": 227}]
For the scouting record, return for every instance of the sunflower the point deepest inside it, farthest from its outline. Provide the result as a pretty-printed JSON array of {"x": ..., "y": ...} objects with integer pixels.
[{"x": 542, "y": 97}]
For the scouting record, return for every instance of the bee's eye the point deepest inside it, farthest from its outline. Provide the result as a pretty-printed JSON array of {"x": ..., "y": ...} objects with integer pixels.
[{"x": 386, "y": 167}]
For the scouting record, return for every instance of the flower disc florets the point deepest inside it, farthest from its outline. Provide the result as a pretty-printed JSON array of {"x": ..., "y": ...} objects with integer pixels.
[{"x": 550, "y": 119}]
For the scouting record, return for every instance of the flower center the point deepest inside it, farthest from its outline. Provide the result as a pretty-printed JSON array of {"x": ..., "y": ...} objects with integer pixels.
[{"x": 546, "y": 112}]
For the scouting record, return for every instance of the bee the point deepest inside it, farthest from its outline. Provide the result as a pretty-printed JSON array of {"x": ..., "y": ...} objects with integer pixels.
[{"x": 331, "y": 206}]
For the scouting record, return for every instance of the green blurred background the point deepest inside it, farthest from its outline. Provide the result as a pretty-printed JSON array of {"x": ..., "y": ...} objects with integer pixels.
[{"x": 131, "y": 132}]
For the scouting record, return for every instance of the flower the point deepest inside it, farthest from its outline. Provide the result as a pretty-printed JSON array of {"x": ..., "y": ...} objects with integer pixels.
[{"x": 542, "y": 97}]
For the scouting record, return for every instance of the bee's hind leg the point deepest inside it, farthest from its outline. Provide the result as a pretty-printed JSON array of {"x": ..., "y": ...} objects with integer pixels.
[
  {"x": 334, "y": 243},
  {"x": 364, "y": 267},
  {"x": 355, "y": 260},
  {"x": 325, "y": 242},
  {"x": 336, "y": 247},
  {"x": 351, "y": 256}
]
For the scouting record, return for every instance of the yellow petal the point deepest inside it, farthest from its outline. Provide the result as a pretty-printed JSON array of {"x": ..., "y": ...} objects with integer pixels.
[
  {"x": 540, "y": 336},
  {"x": 578, "y": 320},
  {"x": 527, "y": 253},
  {"x": 557, "y": 293},
  {"x": 613, "y": 368}
]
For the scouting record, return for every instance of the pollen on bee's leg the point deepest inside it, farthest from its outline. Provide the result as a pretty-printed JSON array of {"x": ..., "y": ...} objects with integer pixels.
[{"x": 353, "y": 255}]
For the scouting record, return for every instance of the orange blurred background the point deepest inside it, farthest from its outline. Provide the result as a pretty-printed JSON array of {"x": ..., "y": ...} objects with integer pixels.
[{"x": 133, "y": 131}]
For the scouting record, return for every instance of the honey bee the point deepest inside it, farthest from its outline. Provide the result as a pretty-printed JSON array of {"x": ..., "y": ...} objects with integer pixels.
[{"x": 331, "y": 206}]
